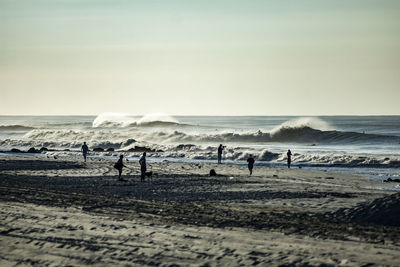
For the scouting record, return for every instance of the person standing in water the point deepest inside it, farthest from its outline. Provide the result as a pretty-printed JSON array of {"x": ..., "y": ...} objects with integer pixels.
[
  {"x": 250, "y": 163},
  {"x": 289, "y": 158},
  {"x": 142, "y": 162},
  {"x": 220, "y": 149},
  {"x": 84, "y": 150},
  {"x": 119, "y": 165}
]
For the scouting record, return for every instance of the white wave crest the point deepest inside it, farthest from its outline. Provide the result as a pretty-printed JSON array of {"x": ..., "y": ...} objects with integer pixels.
[
  {"x": 110, "y": 119},
  {"x": 314, "y": 123},
  {"x": 125, "y": 120},
  {"x": 156, "y": 117}
]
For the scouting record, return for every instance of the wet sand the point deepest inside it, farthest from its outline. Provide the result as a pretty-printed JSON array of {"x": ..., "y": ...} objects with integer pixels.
[{"x": 65, "y": 212}]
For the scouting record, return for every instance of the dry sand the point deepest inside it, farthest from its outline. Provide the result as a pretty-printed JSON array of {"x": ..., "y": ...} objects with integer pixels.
[{"x": 59, "y": 212}]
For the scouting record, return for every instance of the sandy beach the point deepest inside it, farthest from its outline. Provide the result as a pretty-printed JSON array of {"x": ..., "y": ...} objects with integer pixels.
[{"x": 58, "y": 212}]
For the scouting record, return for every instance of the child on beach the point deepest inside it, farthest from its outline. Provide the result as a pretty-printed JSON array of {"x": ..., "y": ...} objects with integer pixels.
[
  {"x": 119, "y": 165},
  {"x": 250, "y": 163}
]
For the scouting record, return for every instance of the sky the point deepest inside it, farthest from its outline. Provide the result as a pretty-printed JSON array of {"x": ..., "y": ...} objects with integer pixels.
[{"x": 86, "y": 57}]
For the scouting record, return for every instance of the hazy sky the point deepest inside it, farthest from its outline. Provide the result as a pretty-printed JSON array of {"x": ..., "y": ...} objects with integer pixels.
[{"x": 200, "y": 57}]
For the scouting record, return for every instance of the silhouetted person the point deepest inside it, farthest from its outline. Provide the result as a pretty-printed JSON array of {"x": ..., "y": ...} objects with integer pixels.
[
  {"x": 250, "y": 163},
  {"x": 220, "y": 149},
  {"x": 119, "y": 165},
  {"x": 84, "y": 150},
  {"x": 289, "y": 158},
  {"x": 142, "y": 162}
]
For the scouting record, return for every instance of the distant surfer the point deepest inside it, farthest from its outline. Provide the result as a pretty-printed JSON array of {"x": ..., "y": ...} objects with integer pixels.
[
  {"x": 84, "y": 150},
  {"x": 142, "y": 162},
  {"x": 220, "y": 149},
  {"x": 250, "y": 163},
  {"x": 119, "y": 165},
  {"x": 289, "y": 158}
]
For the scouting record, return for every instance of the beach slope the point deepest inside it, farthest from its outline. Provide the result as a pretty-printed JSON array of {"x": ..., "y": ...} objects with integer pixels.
[{"x": 65, "y": 212}]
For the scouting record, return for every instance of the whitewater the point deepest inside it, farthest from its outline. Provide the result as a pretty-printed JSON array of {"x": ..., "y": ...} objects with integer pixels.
[{"x": 356, "y": 144}]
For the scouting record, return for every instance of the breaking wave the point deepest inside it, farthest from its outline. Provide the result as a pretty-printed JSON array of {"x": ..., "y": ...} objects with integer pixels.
[
  {"x": 15, "y": 128},
  {"x": 113, "y": 120},
  {"x": 310, "y": 122},
  {"x": 343, "y": 160},
  {"x": 306, "y": 134},
  {"x": 284, "y": 135},
  {"x": 302, "y": 135},
  {"x": 180, "y": 145},
  {"x": 198, "y": 141},
  {"x": 157, "y": 118},
  {"x": 167, "y": 130},
  {"x": 126, "y": 120}
]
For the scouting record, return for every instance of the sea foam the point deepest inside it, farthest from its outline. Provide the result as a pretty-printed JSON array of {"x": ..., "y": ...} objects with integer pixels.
[
  {"x": 110, "y": 119},
  {"x": 156, "y": 117},
  {"x": 310, "y": 122},
  {"x": 126, "y": 120}
]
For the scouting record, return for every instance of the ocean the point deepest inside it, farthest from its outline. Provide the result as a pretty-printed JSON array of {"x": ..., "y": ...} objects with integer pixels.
[{"x": 367, "y": 145}]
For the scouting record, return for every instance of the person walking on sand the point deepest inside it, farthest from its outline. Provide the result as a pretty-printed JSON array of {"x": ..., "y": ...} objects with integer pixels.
[
  {"x": 220, "y": 149},
  {"x": 142, "y": 162},
  {"x": 250, "y": 163},
  {"x": 84, "y": 150},
  {"x": 289, "y": 158},
  {"x": 119, "y": 165}
]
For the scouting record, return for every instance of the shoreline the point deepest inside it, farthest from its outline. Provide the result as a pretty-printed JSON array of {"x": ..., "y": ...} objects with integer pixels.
[
  {"x": 62, "y": 211},
  {"x": 379, "y": 175}
]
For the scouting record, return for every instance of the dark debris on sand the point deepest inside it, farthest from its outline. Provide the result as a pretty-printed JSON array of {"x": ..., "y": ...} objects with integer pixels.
[{"x": 381, "y": 211}]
